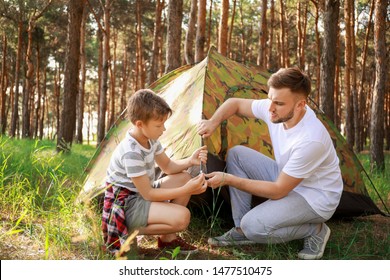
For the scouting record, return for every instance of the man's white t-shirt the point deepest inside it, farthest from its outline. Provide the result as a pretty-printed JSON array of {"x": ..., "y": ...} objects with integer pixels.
[{"x": 306, "y": 151}]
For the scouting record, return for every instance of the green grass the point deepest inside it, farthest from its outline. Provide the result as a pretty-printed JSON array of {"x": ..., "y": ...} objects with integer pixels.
[
  {"x": 39, "y": 188},
  {"x": 41, "y": 220},
  {"x": 381, "y": 181}
]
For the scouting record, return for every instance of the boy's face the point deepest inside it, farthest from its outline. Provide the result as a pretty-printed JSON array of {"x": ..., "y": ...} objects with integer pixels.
[{"x": 154, "y": 128}]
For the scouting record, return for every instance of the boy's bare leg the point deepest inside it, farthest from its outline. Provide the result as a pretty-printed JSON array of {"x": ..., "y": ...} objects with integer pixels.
[{"x": 165, "y": 218}]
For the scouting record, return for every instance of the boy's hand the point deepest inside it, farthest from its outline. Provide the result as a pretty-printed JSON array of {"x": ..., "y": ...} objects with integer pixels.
[
  {"x": 200, "y": 155},
  {"x": 197, "y": 185}
]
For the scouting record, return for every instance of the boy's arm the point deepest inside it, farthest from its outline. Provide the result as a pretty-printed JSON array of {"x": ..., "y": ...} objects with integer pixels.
[
  {"x": 142, "y": 183},
  {"x": 170, "y": 166}
]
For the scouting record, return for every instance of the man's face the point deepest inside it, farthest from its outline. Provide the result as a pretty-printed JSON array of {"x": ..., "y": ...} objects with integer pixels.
[{"x": 283, "y": 105}]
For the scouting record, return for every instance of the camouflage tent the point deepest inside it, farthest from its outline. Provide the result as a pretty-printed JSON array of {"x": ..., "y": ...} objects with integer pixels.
[{"x": 195, "y": 92}]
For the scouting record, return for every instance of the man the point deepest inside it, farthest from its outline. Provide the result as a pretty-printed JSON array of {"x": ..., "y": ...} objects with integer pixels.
[{"x": 303, "y": 184}]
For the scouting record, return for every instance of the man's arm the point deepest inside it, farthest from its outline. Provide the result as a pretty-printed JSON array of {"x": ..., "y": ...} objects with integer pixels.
[
  {"x": 232, "y": 106},
  {"x": 273, "y": 190}
]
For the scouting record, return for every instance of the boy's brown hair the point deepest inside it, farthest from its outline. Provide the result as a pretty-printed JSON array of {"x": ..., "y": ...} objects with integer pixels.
[
  {"x": 292, "y": 78},
  {"x": 145, "y": 105}
]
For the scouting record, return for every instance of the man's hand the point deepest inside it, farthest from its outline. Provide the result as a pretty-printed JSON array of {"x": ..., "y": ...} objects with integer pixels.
[
  {"x": 216, "y": 179},
  {"x": 206, "y": 127}
]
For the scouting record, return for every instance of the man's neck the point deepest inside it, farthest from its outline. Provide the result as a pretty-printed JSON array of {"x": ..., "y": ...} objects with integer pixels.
[{"x": 294, "y": 121}]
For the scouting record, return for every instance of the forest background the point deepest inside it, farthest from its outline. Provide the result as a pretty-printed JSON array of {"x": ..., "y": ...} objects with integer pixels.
[{"x": 68, "y": 67}]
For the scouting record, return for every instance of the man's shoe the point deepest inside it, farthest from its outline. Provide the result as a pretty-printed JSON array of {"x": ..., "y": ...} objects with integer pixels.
[
  {"x": 185, "y": 248},
  {"x": 232, "y": 237},
  {"x": 314, "y": 246}
]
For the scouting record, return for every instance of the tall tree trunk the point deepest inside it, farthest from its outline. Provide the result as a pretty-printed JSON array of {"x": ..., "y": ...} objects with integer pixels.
[
  {"x": 153, "y": 74},
  {"x": 191, "y": 33},
  {"x": 99, "y": 35},
  {"x": 280, "y": 51},
  {"x": 337, "y": 95},
  {"x": 217, "y": 32},
  {"x": 223, "y": 28},
  {"x": 367, "y": 110},
  {"x": 113, "y": 71},
  {"x": 125, "y": 75},
  {"x": 361, "y": 93},
  {"x": 15, "y": 109},
  {"x": 140, "y": 49},
  {"x": 201, "y": 31},
  {"x": 39, "y": 93},
  {"x": 161, "y": 65},
  {"x": 231, "y": 28},
  {"x": 89, "y": 121},
  {"x": 11, "y": 98},
  {"x": 71, "y": 76},
  {"x": 3, "y": 119},
  {"x": 209, "y": 24},
  {"x": 136, "y": 76},
  {"x": 27, "y": 92},
  {"x": 249, "y": 50},
  {"x": 318, "y": 47},
  {"x": 271, "y": 64},
  {"x": 301, "y": 28},
  {"x": 28, "y": 98},
  {"x": 354, "y": 92},
  {"x": 377, "y": 109},
  {"x": 243, "y": 36},
  {"x": 42, "y": 116},
  {"x": 347, "y": 76},
  {"x": 299, "y": 31},
  {"x": 57, "y": 94},
  {"x": 387, "y": 116},
  {"x": 328, "y": 58},
  {"x": 83, "y": 70},
  {"x": 283, "y": 35},
  {"x": 101, "y": 132},
  {"x": 263, "y": 34},
  {"x": 175, "y": 17}
]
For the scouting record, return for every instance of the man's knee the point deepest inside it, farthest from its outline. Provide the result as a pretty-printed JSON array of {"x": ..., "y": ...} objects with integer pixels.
[
  {"x": 254, "y": 230},
  {"x": 234, "y": 154},
  {"x": 236, "y": 150}
]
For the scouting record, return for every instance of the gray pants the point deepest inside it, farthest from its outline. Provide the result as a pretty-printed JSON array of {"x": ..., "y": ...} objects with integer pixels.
[{"x": 273, "y": 221}]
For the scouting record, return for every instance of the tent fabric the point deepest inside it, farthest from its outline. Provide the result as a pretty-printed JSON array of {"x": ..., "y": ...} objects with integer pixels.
[{"x": 194, "y": 93}]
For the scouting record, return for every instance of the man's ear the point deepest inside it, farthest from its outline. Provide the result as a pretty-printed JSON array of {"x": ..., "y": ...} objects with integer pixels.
[{"x": 302, "y": 103}]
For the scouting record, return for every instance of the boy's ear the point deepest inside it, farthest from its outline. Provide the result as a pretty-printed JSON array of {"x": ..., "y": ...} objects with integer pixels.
[{"x": 138, "y": 123}]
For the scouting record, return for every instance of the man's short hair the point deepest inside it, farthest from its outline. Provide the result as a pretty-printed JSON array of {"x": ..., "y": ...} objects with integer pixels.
[
  {"x": 145, "y": 105},
  {"x": 293, "y": 78}
]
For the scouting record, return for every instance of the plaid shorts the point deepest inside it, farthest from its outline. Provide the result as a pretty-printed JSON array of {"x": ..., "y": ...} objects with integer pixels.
[{"x": 123, "y": 212}]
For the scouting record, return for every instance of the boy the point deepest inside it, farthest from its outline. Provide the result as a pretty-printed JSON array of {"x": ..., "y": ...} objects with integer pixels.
[{"x": 134, "y": 199}]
